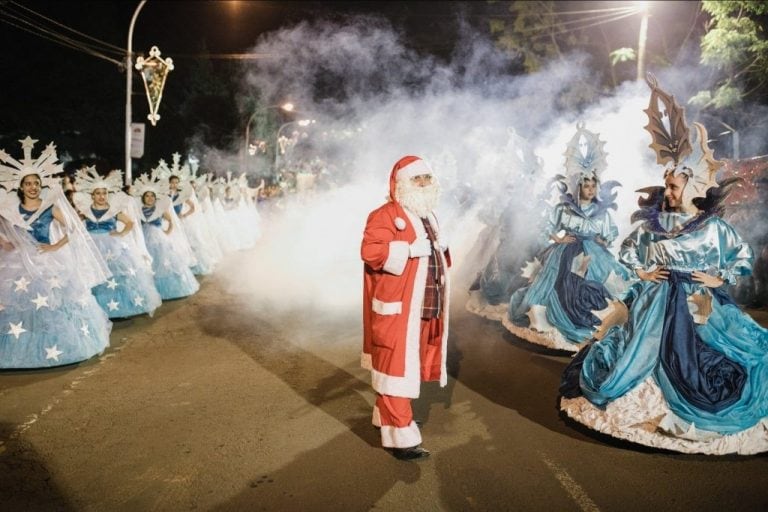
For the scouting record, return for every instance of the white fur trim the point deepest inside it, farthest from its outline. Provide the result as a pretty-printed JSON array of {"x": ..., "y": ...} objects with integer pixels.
[
  {"x": 386, "y": 308},
  {"x": 400, "y": 223},
  {"x": 415, "y": 168},
  {"x": 400, "y": 437},
  {"x": 398, "y": 257}
]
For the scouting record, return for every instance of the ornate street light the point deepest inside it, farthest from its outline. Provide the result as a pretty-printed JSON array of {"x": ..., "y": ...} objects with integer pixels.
[{"x": 154, "y": 70}]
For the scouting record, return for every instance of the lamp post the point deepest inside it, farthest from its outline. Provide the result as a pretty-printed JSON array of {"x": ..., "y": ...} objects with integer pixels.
[
  {"x": 735, "y": 153},
  {"x": 128, "y": 93},
  {"x": 287, "y": 107},
  {"x": 641, "y": 40},
  {"x": 301, "y": 122}
]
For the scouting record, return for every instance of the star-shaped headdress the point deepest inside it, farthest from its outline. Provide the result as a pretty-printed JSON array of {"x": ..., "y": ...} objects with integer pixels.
[
  {"x": 585, "y": 157},
  {"x": 12, "y": 171},
  {"x": 88, "y": 179}
]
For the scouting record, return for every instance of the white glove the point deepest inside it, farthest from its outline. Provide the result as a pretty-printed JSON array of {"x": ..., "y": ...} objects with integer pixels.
[
  {"x": 421, "y": 247},
  {"x": 441, "y": 244}
]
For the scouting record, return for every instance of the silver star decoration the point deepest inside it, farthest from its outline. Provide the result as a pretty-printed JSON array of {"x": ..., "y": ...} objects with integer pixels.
[
  {"x": 21, "y": 284},
  {"x": 111, "y": 284},
  {"x": 138, "y": 301},
  {"x": 16, "y": 329},
  {"x": 53, "y": 353},
  {"x": 54, "y": 282},
  {"x": 85, "y": 330},
  {"x": 40, "y": 301},
  {"x": 132, "y": 271},
  {"x": 113, "y": 305}
]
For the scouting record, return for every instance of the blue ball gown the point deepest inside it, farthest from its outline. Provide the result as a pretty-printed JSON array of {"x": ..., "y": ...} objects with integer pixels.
[
  {"x": 131, "y": 289},
  {"x": 689, "y": 370},
  {"x": 170, "y": 261},
  {"x": 48, "y": 316},
  {"x": 508, "y": 241},
  {"x": 572, "y": 285}
]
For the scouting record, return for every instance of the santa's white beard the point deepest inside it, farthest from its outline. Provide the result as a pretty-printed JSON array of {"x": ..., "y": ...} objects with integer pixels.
[{"x": 418, "y": 200}]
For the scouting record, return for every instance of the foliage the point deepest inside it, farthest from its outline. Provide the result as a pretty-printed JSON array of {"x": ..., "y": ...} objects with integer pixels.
[
  {"x": 736, "y": 48},
  {"x": 622, "y": 55}
]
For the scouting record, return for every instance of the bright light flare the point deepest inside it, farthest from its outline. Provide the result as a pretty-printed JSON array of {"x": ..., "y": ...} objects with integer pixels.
[
  {"x": 288, "y": 107},
  {"x": 642, "y": 6}
]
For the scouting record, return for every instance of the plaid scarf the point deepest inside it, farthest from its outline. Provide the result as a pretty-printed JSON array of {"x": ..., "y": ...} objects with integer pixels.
[{"x": 433, "y": 294}]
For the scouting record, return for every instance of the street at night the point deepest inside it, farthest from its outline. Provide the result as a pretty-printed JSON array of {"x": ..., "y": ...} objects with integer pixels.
[{"x": 399, "y": 256}]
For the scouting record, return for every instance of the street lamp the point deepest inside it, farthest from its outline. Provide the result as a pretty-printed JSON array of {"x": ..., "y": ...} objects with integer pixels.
[
  {"x": 300, "y": 122},
  {"x": 128, "y": 92},
  {"x": 642, "y": 39},
  {"x": 287, "y": 107}
]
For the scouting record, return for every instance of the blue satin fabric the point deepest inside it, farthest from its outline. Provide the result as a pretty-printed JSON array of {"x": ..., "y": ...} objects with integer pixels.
[
  {"x": 148, "y": 213},
  {"x": 578, "y": 295},
  {"x": 627, "y": 356},
  {"x": 702, "y": 375},
  {"x": 41, "y": 227},
  {"x": 561, "y": 291},
  {"x": 106, "y": 226},
  {"x": 177, "y": 207}
]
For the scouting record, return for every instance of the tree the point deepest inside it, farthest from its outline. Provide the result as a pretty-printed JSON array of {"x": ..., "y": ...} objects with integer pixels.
[{"x": 736, "y": 49}]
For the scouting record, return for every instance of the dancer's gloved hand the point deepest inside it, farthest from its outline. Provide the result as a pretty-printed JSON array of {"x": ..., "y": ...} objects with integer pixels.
[{"x": 419, "y": 248}]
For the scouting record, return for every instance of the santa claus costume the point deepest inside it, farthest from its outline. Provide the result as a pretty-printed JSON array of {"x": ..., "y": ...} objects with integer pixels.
[{"x": 405, "y": 302}]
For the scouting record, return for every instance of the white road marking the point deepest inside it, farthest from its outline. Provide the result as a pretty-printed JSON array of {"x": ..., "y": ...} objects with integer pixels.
[{"x": 574, "y": 490}]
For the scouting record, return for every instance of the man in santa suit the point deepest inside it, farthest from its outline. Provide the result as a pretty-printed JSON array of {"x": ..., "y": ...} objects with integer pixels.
[{"x": 405, "y": 302}]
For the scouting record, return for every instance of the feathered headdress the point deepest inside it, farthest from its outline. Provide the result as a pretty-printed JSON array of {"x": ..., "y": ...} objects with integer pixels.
[
  {"x": 585, "y": 158},
  {"x": 150, "y": 183},
  {"x": 87, "y": 180},
  {"x": 679, "y": 150},
  {"x": 12, "y": 171},
  {"x": 176, "y": 169}
]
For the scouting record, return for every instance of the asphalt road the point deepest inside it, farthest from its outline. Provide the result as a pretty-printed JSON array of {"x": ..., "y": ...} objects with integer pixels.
[{"x": 217, "y": 404}]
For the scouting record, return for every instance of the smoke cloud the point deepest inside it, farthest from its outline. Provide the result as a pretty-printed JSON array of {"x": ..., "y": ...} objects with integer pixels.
[{"x": 465, "y": 116}]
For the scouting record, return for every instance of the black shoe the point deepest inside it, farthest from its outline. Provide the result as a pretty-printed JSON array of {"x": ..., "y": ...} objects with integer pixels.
[{"x": 412, "y": 453}]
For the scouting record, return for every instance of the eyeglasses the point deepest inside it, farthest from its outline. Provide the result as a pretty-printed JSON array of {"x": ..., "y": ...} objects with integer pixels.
[{"x": 422, "y": 178}]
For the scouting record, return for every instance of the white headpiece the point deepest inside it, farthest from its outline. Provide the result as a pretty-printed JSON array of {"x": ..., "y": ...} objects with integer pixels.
[
  {"x": 150, "y": 183},
  {"x": 180, "y": 171},
  {"x": 87, "y": 180},
  {"x": 585, "y": 158},
  {"x": 12, "y": 171}
]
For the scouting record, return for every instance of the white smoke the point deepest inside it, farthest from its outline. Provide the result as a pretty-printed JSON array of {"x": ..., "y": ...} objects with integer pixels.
[{"x": 359, "y": 79}]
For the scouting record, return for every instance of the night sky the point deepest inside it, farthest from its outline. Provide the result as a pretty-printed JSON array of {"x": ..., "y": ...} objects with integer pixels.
[{"x": 77, "y": 100}]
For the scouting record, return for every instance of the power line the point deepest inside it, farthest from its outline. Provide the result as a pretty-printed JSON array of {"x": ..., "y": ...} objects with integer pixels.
[
  {"x": 608, "y": 17},
  {"x": 103, "y": 43},
  {"x": 63, "y": 42},
  {"x": 25, "y": 23}
]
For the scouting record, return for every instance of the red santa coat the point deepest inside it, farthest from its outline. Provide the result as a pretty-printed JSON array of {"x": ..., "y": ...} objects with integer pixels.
[{"x": 393, "y": 293}]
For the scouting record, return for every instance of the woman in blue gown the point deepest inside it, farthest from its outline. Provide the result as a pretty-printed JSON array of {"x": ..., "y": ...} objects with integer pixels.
[
  {"x": 689, "y": 370},
  {"x": 171, "y": 256},
  {"x": 575, "y": 284},
  {"x": 131, "y": 289},
  {"x": 48, "y": 316}
]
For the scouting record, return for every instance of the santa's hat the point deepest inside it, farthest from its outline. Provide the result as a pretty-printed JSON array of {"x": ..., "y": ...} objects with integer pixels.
[{"x": 405, "y": 169}]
